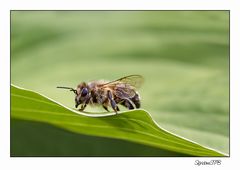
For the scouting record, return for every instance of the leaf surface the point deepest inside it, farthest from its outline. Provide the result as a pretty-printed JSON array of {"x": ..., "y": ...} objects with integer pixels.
[{"x": 134, "y": 126}]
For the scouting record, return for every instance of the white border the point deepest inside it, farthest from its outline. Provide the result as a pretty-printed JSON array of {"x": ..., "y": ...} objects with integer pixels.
[{"x": 116, "y": 163}]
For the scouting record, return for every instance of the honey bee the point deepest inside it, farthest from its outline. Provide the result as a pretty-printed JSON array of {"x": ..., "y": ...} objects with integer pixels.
[{"x": 109, "y": 93}]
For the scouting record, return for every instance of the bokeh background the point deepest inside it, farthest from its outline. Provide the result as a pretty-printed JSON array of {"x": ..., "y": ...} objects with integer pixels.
[{"x": 183, "y": 56}]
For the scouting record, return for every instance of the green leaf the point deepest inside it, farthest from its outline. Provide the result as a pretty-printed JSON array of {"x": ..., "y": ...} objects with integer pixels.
[
  {"x": 25, "y": 142},
  {"x": 134, "y": 126}
]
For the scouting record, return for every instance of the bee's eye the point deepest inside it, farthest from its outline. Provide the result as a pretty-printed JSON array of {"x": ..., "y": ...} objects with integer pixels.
[{"x": 84, "y": 92}]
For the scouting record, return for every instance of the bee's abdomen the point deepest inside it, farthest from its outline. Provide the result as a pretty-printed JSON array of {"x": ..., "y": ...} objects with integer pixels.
[
  {"x": 130, "y": 102},
  {"x": 136, "y": 100}
]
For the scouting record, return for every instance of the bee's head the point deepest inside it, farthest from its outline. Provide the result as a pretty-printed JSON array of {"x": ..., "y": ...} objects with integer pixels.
[{"x": 82, "y": 94}]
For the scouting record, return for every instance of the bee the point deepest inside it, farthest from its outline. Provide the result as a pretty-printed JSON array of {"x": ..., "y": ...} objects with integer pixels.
[{"x": 109, "y": 93}]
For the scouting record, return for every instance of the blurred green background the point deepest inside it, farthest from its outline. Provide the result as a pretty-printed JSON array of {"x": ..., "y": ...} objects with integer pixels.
[{"x": 183, "y": 56}]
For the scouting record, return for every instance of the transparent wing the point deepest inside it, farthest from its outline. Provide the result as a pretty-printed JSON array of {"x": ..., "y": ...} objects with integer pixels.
[
  {"x": 125, "y": 86},
  {"x": 135, "y": 81},
  {"x": 124, "y": 92}
]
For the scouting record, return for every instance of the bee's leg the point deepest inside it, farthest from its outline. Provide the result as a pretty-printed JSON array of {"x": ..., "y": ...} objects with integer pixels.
[
  {"x": 128, "y": 103},
  {"x": 113, "y": 103},
  {"x": 85, "y": 105},
  {"x": 82, "y": 108},
  {"x": 118, "y": 109},
  {"x": 105, "y": 107}
]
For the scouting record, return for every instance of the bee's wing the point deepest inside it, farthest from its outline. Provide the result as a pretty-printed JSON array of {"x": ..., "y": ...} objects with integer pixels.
[
  {"x": 135, "y": 81},
  {"x": 124, "y": 92},
  {"x": 125, "y": 86}
]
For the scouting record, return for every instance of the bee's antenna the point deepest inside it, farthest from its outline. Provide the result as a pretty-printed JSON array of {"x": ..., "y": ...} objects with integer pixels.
[
  {"x": 71, "y": 89},
  {"x": 64, "y": 87}
]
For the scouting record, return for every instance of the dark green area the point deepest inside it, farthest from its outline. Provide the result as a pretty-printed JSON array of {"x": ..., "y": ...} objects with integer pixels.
[{"x": 52, "y": 141}]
